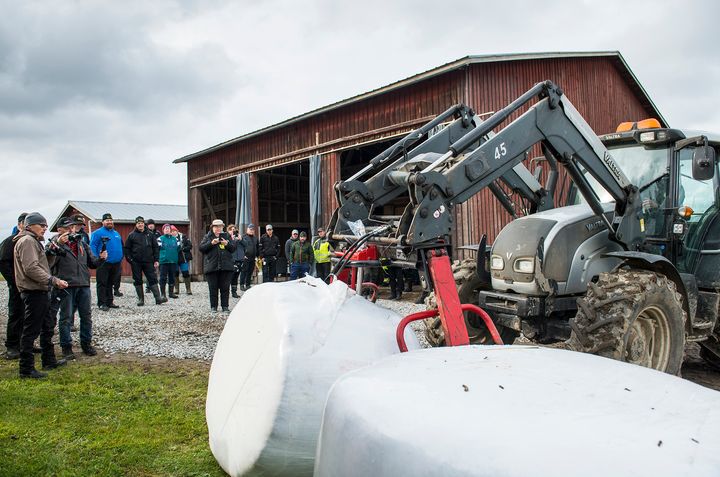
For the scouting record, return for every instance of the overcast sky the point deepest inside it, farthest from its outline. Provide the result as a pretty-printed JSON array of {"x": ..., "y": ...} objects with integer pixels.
[{"x": 98, "y": 98}]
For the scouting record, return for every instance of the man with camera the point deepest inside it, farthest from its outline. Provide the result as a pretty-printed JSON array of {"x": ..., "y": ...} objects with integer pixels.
[
  {"x": 107, "y": 239},
  {"x": 33, "y": 279},
  {"x": 142, "y": 253},
  {"x": 238, "y": 257},
  {"x": 70, "y": 259}
]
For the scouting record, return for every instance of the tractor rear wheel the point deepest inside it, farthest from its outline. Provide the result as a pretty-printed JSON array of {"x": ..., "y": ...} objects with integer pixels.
[
  {"x": 634, "y": 316},
  {"x": 468, "y": 285}
]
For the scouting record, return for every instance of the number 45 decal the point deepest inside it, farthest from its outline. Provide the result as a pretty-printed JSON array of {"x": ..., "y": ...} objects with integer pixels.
[{"x": 500, "y": 151}]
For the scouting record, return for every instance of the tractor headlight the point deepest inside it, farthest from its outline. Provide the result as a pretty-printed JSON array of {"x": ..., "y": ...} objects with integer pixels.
[
  {"x": 524, "y": 265},
  {"x": 497, "y": 263}
]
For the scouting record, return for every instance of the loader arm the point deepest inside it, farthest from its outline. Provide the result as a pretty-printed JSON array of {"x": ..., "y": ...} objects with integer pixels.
[{"x": 554, "y": 123}]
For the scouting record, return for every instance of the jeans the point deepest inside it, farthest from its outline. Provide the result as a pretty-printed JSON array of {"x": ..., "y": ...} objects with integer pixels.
[
  {"x": 138, "y": 268},
  {"x": 78, "y": 298},
  {"x": 106, "y": 276},
  {"x": 167, "y": 274},
  {"x": 16, "y": 316},
  {"x": 219, "y": 282},
  {"x": 299, "y": 270}
]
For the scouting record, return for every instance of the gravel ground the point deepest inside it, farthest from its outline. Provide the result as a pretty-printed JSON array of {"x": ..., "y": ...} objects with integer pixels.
[
  {"x": 186, "y": 328},
  {"x": 181, "y": 328}
]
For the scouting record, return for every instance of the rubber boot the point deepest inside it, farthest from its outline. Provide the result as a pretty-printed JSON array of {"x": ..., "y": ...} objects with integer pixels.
[
  {"x": 233, "y": 292},
  {"x": 163, "y": 296},
  {"x": 171, "y": 290},
  {"x": 188, "y": 288},
  {"x": 155, "y": 290},
  {"x": 140, "y": 295},
  {"x": 177, "y": 287}
]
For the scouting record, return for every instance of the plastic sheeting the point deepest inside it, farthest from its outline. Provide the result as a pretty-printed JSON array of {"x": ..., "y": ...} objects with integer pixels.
[
  {"x": 516, "y": 411},
  {"x": 282, "y": 348}
]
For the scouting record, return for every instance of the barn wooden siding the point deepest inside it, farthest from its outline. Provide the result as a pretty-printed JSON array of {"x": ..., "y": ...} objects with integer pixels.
[{"x": 600, "y": 87}]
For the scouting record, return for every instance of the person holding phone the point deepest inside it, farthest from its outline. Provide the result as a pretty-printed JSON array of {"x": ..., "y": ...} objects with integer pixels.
[{"x": 217, "y": 248}]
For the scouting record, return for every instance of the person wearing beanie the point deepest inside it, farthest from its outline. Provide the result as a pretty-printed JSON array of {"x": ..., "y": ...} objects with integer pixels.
[
  {"x": 142, "y": 253},
  {"x": 169, "y": 249},
  {"x": 152, "y": 230},
  {"x": 217, "y": 248},
  {"x": 269, "y": 251},
  {"x": 184, "y": 258},
  {"x": 107, "y": 238},
  {"x": 16, "y": 312},
  {"x": 33, "y": 279},
  {"x": 302, "y": 257}
]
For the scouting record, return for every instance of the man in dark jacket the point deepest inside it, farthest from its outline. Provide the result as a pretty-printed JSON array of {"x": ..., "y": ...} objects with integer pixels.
[
  {"x": 184, "y": 258},
  {"x": 33, "y": 279},
  {"x": 217, "y": 249},
  {"x": 294, "y": 236},
  {"x": 269, "y": 250},
  {"x": 142, "y": 253},
  {"x": 249, "y": 243},
  {"x": 302, "y": 256},
  {"x": 15, "y": 304},
  {"x": 70, "y": 259},
  {"x": 150, "y": 226},
  {"x": 238, "y": 256}
]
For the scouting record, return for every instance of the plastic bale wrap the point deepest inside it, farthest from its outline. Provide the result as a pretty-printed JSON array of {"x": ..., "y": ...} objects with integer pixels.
[
  {"x": 281, "y": 349},
  {"x": 516, "y": 411}
]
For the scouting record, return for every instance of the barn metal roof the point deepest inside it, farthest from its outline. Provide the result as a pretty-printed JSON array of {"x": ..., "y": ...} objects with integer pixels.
[
  {"x": 626, "y": 73},
  {"x": 123, "y": 212}
]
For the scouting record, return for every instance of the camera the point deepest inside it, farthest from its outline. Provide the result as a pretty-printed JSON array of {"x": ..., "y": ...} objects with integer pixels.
[
  {"x": 104, "y": 240},
  {"x": 75, "y": 238}
]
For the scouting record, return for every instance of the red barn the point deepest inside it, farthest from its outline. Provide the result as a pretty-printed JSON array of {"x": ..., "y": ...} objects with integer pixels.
[
  {"x": 124, "y": 215},
  {"x": 283, "y": 174}
]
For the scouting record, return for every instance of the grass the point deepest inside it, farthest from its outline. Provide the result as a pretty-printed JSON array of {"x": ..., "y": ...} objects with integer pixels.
[{"x": 104, "y": 418}]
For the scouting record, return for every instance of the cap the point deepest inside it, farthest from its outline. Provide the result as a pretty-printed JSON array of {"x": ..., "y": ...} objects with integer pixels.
[
  {"x": 268, "y": 227},
  {"x": 79, "y": 219},
  {"x": 251, "y": 226},
  {"x": 303, "y": 234},
  {"x": 167, "y": 226},
  {"x": 107, "y": 216},
  {"x": 139, "y": 219},
  {"x": 320, "y": 229},
  {"x": 21, "y": 218},
  {"x": 216, "y": 222},
  {"x": 35, "y": 218},
  {"x": 295, "y": 232},
  {"x": 149, "y": 222},
  {"x": 65, "y": 222}
]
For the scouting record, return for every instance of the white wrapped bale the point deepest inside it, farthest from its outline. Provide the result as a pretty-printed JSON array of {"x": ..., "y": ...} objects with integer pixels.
[
  {"x": 516, "y": 411},
  {"x": 282, "y": 348}
]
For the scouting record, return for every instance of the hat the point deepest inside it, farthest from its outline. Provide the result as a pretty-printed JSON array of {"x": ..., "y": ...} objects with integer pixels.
[
  {"x": 320, "y": 229},
  {"x": 216, "y": 222},
  {"x": 167, "y": 225},
  {"x": 251, "y": 226},
  {"x": 139, "y": 219},
  {"x": 149, "y": 222},
  {"x": 65, "y": 222},
  {"x": 78, "y": 219},
  {"x": 295, "y": 231},
  {"x": 107, "y": 216},
  {"x": 22, "y": 217},
  {"x": 172, "y": 227},
  {"x": 303, "y": 234},
  {"x": 268, "y": 227},
  {"x": 35, "y": 218}
]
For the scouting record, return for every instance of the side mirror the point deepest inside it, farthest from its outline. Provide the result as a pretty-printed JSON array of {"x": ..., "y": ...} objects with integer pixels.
[{"x": 703, "y": 163}]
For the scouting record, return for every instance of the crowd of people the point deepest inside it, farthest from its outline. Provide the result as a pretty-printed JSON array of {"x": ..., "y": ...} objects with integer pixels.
[{"x": 54, "y": 280}]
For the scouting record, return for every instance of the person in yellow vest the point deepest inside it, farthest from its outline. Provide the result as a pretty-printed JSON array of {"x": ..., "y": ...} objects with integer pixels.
[{"x": 323, "y": 251}]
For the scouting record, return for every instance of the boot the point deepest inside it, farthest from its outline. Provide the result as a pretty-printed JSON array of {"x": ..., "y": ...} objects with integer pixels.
[
  {"x": 34, "y": 373},
  {"x": 156, "y": 293},
  {"x": 408, "y": 286},
  {"x": 177, "y": 287},
  {"x": 163, "y": 296},
  {"x": 12, "y": 353},
  {"x": 188, "y": 288},
  {"x": 88, "y": 349},
  {"x": 67, "y": 352},
  {"x": 233, "y": 292},
  {"x": 171, "y": 290},
  {"x": 56, "y": 364},
  {"x": 140, "y": 294}
]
